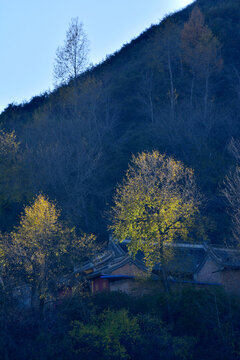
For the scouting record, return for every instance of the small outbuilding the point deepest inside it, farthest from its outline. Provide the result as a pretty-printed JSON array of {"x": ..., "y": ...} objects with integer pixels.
[{"x": 194, "y": 264}]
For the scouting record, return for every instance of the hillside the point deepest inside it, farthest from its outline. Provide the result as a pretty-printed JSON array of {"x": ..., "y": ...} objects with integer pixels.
[{"x": 158, "y": 92}]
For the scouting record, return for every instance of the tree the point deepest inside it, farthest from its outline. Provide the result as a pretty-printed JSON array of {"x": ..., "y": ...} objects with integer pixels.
[
  {"x": 168, "y": 48},
  {"x": 109, "y": 336},
  {"x": 156, "y": 204},
  {"x": 71, "y": 58},
  {"x": 66, "y": 151},
  {"x": 8, "y": 146},
  {"x": 10, "y": 180},
  {"x": 231, "y": 190},
  {"x": 200, "y": 51},
  {"x": 161, "y": 58},
  {"x": 42, "y": 250}
]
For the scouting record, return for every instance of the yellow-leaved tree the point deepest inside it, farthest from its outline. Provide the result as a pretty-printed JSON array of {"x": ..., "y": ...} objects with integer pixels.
[
  {"x": 42, "y": 250},
  {"x": 156, "y": 204}
]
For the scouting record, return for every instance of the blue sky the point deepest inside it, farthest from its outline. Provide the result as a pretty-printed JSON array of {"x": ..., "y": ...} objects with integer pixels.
[{"x": 31, "y": 30}]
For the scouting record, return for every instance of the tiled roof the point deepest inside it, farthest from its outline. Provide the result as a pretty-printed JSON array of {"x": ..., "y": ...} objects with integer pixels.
[
  {"x": 186, "y": 260},
  {"x": 182, "y": 257},
  {"x": 225, "y": 257}
]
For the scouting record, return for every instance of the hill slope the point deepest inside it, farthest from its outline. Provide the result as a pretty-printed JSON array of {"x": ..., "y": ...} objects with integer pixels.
[{"x": 76, "y": 142}]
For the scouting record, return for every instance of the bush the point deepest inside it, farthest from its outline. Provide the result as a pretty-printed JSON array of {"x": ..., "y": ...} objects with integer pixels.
[{"x": 109, "y": 336}]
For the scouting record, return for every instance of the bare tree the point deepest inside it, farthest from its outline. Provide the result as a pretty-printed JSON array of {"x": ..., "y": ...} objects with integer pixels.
[
  {"x": 66, "y": 149},
  {"x": 200, "y": 52},
  {"x": 232, "y": 193},
  {"x": 163, "y": 59},
  {"x": 236, "y": 81},
  {"x": 169, "y": 50},
  {"x": 145, "y": 93},
  {"x": 231, "y": 190},
  {"x": 71, "y": 58}
]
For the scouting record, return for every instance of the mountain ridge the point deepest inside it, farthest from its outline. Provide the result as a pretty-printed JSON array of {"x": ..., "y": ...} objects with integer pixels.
[{"x": 79, "y": 141}]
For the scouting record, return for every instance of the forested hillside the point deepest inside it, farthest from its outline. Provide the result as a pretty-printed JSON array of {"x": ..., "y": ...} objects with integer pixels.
[{"x": 175, "y": 89}]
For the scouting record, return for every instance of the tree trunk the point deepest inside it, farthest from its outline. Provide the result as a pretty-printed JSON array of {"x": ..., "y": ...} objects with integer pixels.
[
  {"x": 151, "y": 108},
  {"x": 34, "y": 299},
  {"x": 5, "y": 322},
  {"x": 192, "y": 90},
  {"x": 166, "y": 284},
  {"x": 172, "y": 99},
  {"x": 206, "y": 96}
]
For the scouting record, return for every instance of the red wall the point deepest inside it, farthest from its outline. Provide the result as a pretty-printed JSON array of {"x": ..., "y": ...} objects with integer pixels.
[{"x": 99, "y": 285}]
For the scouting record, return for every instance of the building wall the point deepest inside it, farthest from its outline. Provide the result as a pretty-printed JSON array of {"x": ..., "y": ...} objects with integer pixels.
[
  {"x": 209, "y": 273},
  {"x": 128, "y": 286},
  {"x": 230, "y": 280},
  {"x": 99, "y": 285},
  {"x": 128, "y": 269}
]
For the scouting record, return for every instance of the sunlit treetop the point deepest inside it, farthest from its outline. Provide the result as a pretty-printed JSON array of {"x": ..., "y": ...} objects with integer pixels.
[
  {"x": 8, "y": 145},
  {"x": 156, "y": 204}
]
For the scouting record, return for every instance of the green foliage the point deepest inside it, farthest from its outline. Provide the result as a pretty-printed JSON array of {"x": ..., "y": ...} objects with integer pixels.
[
  {"x": 183, "y": 346},
  {"x": 156, "y": 340},
  {"x": 107, "y": 338},
  {"x": 105, "y": 300},
  {"x": 204, "y": 325}
]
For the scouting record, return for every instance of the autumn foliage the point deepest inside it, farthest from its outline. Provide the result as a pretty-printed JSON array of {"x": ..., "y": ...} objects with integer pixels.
[{"x": 155, "y": 204}]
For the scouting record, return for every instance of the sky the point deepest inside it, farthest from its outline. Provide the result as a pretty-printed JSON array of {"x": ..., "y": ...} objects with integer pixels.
[{"x": 31, "y": 31}]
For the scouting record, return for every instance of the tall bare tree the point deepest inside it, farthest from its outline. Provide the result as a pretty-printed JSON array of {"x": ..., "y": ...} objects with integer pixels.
[
  {"x": 231, "y": 190},
  {"x": 71, "y": 58},
  {"x": 163, "y": 58},
  {"x": 68, "y": 149},
  {"x": 169, "y": 49},
  {"x": 200, "y": 51}
]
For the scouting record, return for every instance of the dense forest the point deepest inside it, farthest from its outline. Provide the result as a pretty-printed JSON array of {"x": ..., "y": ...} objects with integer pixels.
[
  {"x": 203, "y": 325},
  {"x": 174, "y": 91},
  {"x": 167, "y": 90}
]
